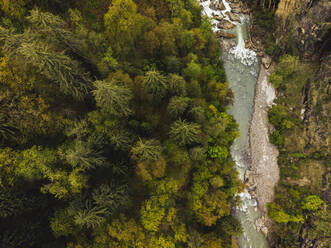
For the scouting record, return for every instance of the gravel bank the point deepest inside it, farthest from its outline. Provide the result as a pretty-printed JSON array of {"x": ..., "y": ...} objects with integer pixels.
[{"x": 263, "y": 175}]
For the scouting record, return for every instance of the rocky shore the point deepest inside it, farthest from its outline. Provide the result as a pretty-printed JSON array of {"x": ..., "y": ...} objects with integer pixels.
[{"x": 263, "y": 175}]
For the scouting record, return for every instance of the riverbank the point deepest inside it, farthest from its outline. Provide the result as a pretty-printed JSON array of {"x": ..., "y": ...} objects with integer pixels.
[{"x": 263, "y": 174}]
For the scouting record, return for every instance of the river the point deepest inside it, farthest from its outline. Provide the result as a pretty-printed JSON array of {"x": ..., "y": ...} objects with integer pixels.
[{"x": 242, "y": 70}]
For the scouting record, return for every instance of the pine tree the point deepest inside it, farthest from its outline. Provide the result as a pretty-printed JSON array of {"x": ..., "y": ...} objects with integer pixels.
[
  {"x": 177, "y": 85},
  {"x": 177, "y": 106},
  {"x": 147, "y": 150},
  {"x": 113, "y": 97},
  {"x": 185, "y": 133},
  {"x": 155, "y": 83},
  {"x": 111, "y": 197},
  {"x": 84, "y": 157},
  {"x": 54, "y": 29},
  {"x": 53, "y": 64},
  {"x": 90, "y": 216}
]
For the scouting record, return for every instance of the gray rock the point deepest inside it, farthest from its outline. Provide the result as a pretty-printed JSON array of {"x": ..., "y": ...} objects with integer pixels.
[
  {"x": 266, "y": 61},
  {"x": 225, "y": 35},
  {"x": 225, "y": 24},
  {"x": 233, "y": 17}
]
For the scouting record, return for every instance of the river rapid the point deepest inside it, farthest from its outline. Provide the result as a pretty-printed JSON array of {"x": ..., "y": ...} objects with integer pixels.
[{"x": 242, "y": 70}]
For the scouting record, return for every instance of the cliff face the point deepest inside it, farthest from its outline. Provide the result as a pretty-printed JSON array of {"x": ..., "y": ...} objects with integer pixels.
[
  {"x": 286, "y": 7},
  {"x": 305, "y": 26}
]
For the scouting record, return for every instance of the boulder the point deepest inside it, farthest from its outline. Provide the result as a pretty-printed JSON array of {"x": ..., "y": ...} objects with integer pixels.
[
  {"x": 233, "y": 17},
  {"x": 266, "y": 61},
  {"x": 260, "y": 54},
  {"x": 248, "y": 44},
  {"x": 235, "y": 5},
  {"x": 225, "y": 35},
  {"x": 212, "y": 5},
  {"x": 219, "y": 17},
  {"x": 225, "y": 24},
  {"x": 221, "y": 5}
]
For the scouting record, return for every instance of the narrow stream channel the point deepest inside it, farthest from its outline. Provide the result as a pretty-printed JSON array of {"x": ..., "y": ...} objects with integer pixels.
[{"x": 242, "y": 70}]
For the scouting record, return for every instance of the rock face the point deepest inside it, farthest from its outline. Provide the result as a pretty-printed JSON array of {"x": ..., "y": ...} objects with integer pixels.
[
  {"x": 310, "y": 35},
  {"x": 285, "y": 7},
  {"x": 225, "y": 35},
  {"x": 225, "y": 24},
  {"x": 266, "y": 62}
]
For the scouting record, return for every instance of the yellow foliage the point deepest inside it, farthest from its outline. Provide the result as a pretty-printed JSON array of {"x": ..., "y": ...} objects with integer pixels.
[
  {"x": 7, "y": 167},
  {"x": 212, "y": 241},
  {"x": 127, "y": 232},
  {"x": 17, "y": 79},
  {"x": 14, "y": 8}
]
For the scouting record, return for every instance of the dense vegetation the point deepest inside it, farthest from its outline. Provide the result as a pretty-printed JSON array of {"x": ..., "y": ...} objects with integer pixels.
[
  {"x": 113, "y": 126},
  {"x": 301, "y": 117},
  {"x": 300, "y": 208}
]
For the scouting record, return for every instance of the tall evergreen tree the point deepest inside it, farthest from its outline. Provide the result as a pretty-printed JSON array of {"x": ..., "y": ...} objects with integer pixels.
[
  {"x": 185, "y": 133},
  {"x": 113, "y": 97},
  {"x": 155, "y": 83}
]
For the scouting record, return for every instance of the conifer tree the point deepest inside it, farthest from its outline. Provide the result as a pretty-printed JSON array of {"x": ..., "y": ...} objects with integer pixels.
[
  {"x": 113, "y": 97},
  {"x": 54, "y": 29},
  {"x": 177, "y": 106},
  {"x": 147, "y": 150},
  {"x": 155, "y": 83},
  {"x": 185, "y": 133},
  {"x": 84, "y": 157}
]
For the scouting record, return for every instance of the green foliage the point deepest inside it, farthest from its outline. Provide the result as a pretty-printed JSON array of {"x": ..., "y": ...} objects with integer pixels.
[
  {"x": 218, "y": 152},
  {"x": 276, "y": 79},
  {"x": 151, "y": 215},
  {"x": 82, "y": 156},
  {"x": 198, "y": 154},
  {"x": 177, "y": 85},
  {"x": 7, "y": 132},
  {"x": 287, "y": 65},
  {"x": 185, "y": 133},
  {"x": 89, "y": 217},
  {"x": 206, "y": 27},
  {"x": 113, "y": 97},
  {"x": 155, "y": 83},
  {"x": 123, "y": 25},
  {"x": 177, "y": 106},
  {"x": 193, "y": 70},
  {"x": 146, "y": 150},
  {"x": 312, "y": 203},
  {"x": 107, "y": 137},
  {"x": 173, "y": 64}
]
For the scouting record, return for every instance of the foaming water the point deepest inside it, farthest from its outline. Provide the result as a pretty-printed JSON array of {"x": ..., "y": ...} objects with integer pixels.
[{"x": 246, "y": 56}]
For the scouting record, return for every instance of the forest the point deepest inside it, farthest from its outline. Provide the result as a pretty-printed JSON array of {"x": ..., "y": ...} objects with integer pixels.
[{"x": 113, "y": 127}]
